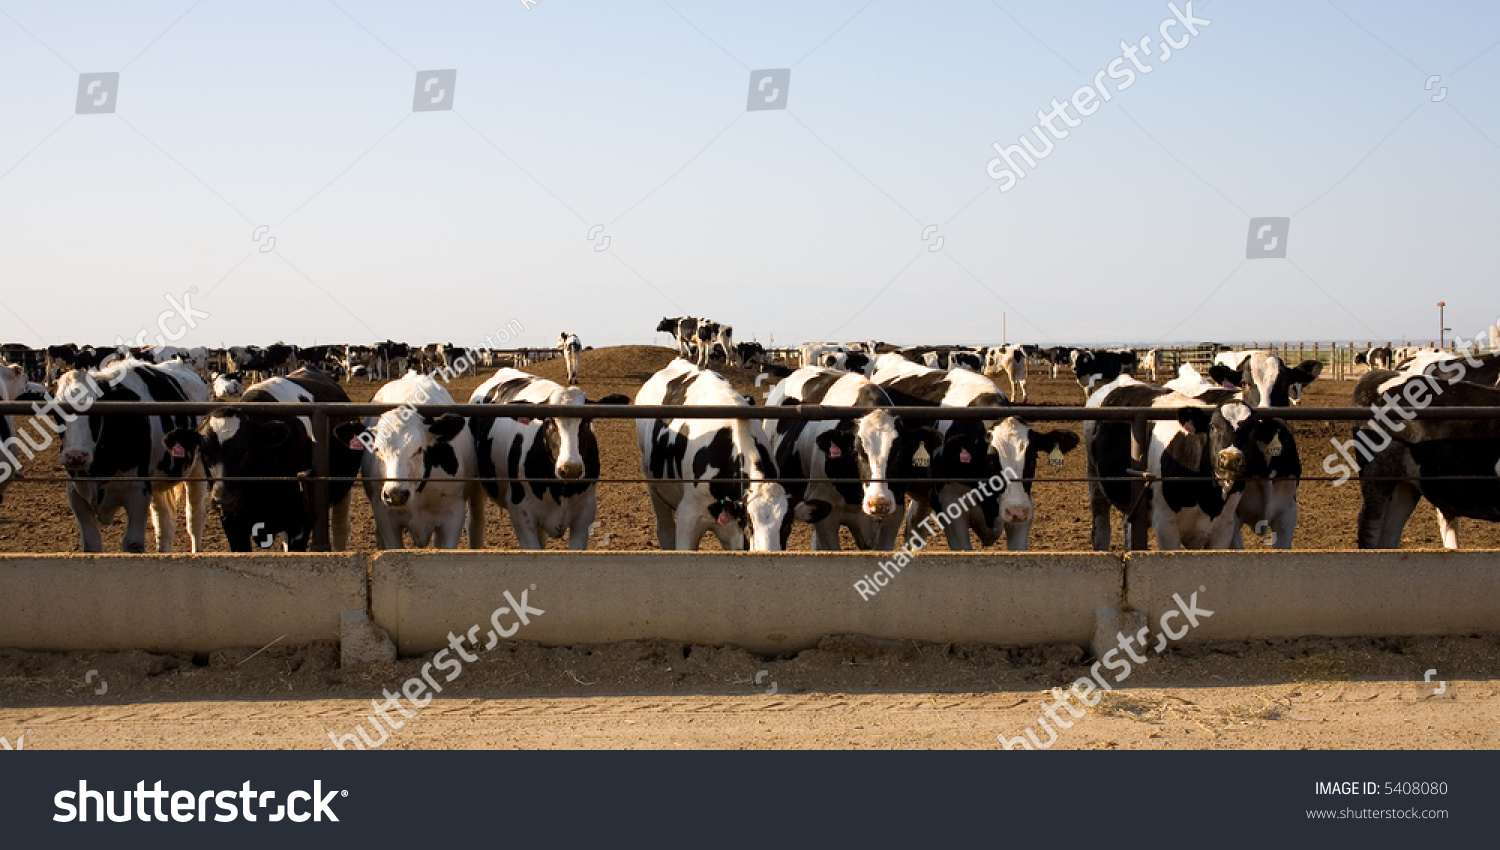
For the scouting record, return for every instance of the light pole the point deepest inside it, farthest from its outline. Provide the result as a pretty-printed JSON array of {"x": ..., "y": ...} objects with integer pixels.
[{"x": 1441, "y": 324}]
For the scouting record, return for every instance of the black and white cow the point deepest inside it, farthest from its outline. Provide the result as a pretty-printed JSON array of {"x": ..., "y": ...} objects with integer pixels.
[
  {"x": 1011, "y": 361},
  {"x": 684, "y": 331},
  {"x": 572, "y": 350},
  {"x": 850, "y": 361},
  {"x": 1095, "y": 367},
  {"x": 97, "y": 449},
  {"x": 227, "y": 387},
  {"x": 1266, "y": 379},
  {"x": 1378, "y": 357},
  {"x": 542, "y": 471},
  {"x": 1059, "y": 357},
  {"x": 750, "y": 354},
  {"x": 699, "y": 469},
  {"x": 1455, "y": 464},
  {"x": 15, "y": 386},
  {"x": 391, "y": 360},
  {"x": 972, "y": 451},
  {"x": 410, "y": 465},
  {"x": 857, "y": 464},
  {"x": 712, "y": 336},
  {"x": 1196, "y": 463},
  {"x": 236, "y": 443}
]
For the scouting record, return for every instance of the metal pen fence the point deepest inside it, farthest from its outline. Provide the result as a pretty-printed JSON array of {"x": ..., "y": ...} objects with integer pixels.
[{"x": 323, "y": 415}]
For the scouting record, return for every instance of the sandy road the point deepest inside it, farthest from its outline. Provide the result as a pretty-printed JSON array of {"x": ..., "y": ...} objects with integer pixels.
[{"x": 1341, "y": 715}]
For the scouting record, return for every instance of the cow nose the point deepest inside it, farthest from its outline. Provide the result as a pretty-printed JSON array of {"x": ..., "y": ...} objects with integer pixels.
[
  {"x": 395, "y": 495},
  {"x": 878, "y": 507},
  {"x": 570, "y": 470},
  {"x": 1017, "y": 513},
  {"x": 75, "y": 458}
]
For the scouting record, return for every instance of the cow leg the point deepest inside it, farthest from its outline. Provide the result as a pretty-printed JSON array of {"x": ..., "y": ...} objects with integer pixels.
[
  {"x": 476, "y": 499},
  {"x": 1023, "y": 391},
  {"x": 1448, "y": 530},
  {"x": 1168, "y": 535},
  {"x": 451, "y": 532},
  {"x": 90, "y": 538},
  {"x": 825, "y": 536},
  {"x": 890, "y": 529},
  {"x": 339, "y": 521},
  {"x": 1397, "y": 511},
  {"x": 578, "y": 529},
  {"x": 1101, "y": 512},
  {"x": 163, "y": 506},
  {"x": 136, "y": 509},
  {"x": 1018, "y": 536},
  {"x": 197, "y": 513},
  {"x": 528, "y": 536},
  {"x": 387, "y": 535},
  {"x": 1283, "y": 526},
  {"x": 666, "y": 522}
]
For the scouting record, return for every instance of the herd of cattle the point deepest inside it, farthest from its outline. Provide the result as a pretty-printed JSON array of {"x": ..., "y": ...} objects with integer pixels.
[{"x": 1223, "y": 463}]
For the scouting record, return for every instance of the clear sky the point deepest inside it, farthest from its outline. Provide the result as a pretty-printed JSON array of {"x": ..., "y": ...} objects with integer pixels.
[{"x": 802, "y": 223}]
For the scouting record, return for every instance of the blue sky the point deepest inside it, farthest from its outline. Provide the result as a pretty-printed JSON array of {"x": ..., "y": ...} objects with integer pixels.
[{"x": 801, "y": 223}]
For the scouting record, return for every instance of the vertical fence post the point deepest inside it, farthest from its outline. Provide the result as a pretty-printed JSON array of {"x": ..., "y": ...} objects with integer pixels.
[
  {"x": 321, "y": 435},
  {"x": 1140, "y": 515}
]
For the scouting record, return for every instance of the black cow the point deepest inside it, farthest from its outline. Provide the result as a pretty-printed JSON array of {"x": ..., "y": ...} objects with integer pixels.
[{"x": 236, "y": 443}]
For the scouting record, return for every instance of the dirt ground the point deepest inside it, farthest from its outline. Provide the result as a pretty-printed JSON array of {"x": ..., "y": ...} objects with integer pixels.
[
  {"x": 849, "y": 693},
  {"x": 35, "y": 517}
]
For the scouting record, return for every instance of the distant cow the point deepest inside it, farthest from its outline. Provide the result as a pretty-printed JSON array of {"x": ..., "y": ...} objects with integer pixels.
[
  {"x": 236, "y": 443},
  {"x": 1266, "y": 379},
  {"x": 713, "y": 475},
  {"x": 850, "y": 361},
  {"x": 413, "y": 470},
  {"x": 684, "y": 331},
  {"x": 1095, "y": 367},
  {"x": 1010, "y": 360},
  {"x": 572, "y": 350},
  {"x": 543, "y": 471},
  {"x": 750, "y": 354},
  {"x": 97, "y": 450},
  {"x": 227, "y": 387},
  {"x": 852, "y": 462}
]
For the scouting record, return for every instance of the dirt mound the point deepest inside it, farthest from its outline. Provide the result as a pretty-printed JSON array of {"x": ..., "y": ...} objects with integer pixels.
[{"x": 632, "y": 363}]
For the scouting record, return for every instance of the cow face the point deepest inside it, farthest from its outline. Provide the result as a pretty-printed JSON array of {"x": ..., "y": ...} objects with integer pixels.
[
  {"x": 99, "y": 445},
  {"x": 234, "y": 446},
  {"x": 964, "y": 454},
  {"x": 765, "y": 515},
  {"x": 1014, "y": 448},
  {"x": 1270, "y": 382},
  {"x": 564, "y": 435},
  {"x": 408, "y": 451},
  {"x": 1231, "y": 440},
  {"x": 875, "y": 445}
]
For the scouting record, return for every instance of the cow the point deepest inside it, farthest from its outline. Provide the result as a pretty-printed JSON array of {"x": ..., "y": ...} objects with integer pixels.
[
  {"x": 14, "y": 386},
  {"x": 226, "y": 387},
  {"x": 1196, "y": 464},
  {"x": 1377, "y": 357},
  {"x": 1455, "y": 464},
  {"x": 709, "y": 335},
  {"x": 973, "y": 450},
  {"x": 236, "y": 443},
  {"x": 713, "y": 475},
  {"x": 857, "y": 465},
  {"x": 1266, "y": 379},
  {"x": 391, "y": 360},
  {"x": 572, "y": 350},
  {"x": 1094, "y": 367},
  {"x": 1010, "y": 360},
  {"x": 1059, "y": 356},
  {"x": 813, "y": 354},
  {"x": 751, "y": 354},
  {"x": 98, "y": 450},
  {"x": 684, "y": 331},
  {"x": 543, "y": 471},
  {"x": 420, "y": 471},
  {"x": 850, "y": 361},
  {"x": 1150, "y": 360}
]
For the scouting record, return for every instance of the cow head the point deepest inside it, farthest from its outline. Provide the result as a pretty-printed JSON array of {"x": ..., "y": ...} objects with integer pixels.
[
  {"x": 409, "y": 448},
  {"x": 862, "y": 450},
  {"x": 1269, "y": 382},
  {"x": 765, "y": 514},
  {"x": 228, "y": 386},
  {"x": 100, "y": 445},
  {"x": 569, "y": 438},
  {"x": 1219, "y": 441},
  {"x": 1014, "y": 449}
]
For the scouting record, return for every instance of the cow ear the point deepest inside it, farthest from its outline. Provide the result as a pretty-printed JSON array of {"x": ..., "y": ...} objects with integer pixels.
[
  {"x": 347, "y": 433},
  {"x": 187, "y": 438},
  {"x": 446, "y": 427},
  {"x": 813, "y": 510},
  {"x": 1193, "y": 420},
  {"x": 1307, "y": 371},
  {"x": 612, "y": 398},
  {"x": 272, "y": 434},
  {"x": 1061, "y": 440},
  {"x": 834, "y": 443}
]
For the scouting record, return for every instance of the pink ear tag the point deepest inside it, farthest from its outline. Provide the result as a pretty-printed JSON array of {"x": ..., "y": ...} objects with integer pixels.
[
  {"x": 835, "y": 452},
  {"x": 723, "y": 517},
  {"x": 524, "y": 420},
  {"x": 1189, "y": 427},
  {"x": 963, "y": 456},
  {"x": 355, "y": 444},
  {"x": 179, "y": 451}
]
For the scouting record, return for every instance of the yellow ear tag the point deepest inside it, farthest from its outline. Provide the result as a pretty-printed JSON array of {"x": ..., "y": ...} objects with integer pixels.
[
  {"x": 1273, "y": 448},
  {"x": 1055, "y": 458},
  {"x": 921, "y": 457}
]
